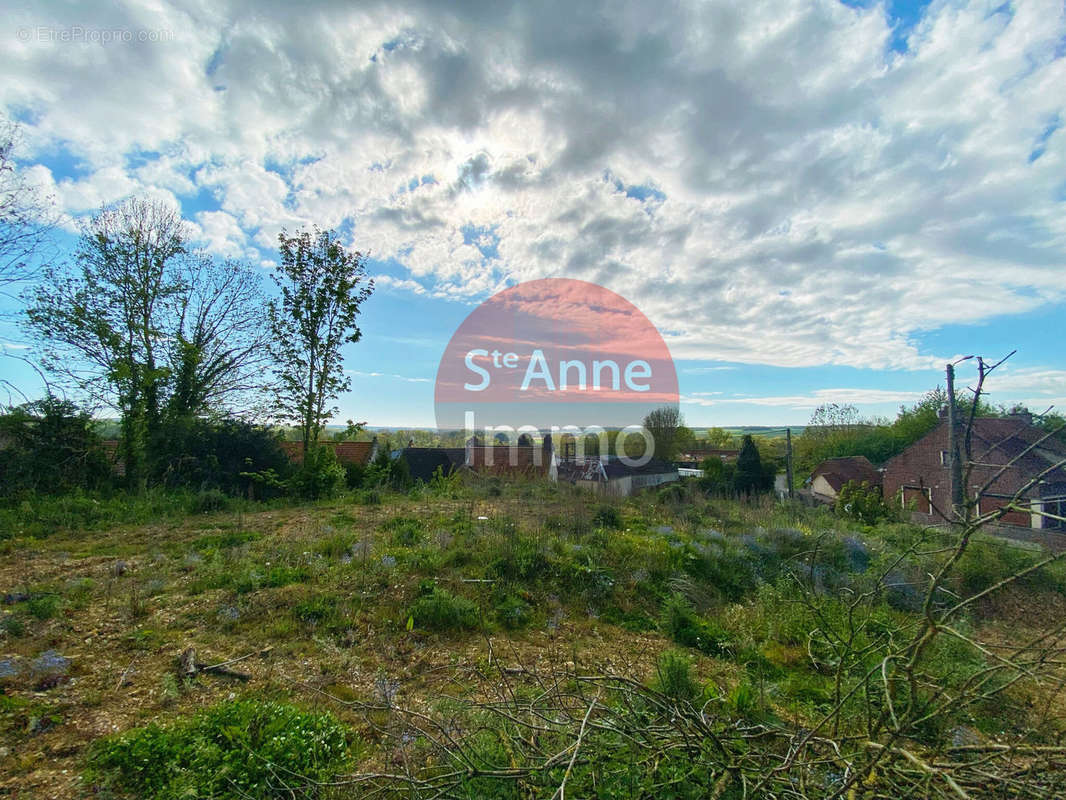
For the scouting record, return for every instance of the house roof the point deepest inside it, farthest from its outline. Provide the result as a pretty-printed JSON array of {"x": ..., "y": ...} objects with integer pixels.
[
  {"x": 1012, "y": 439},
  {"x": 422, "y": 462},
  {"x": 503, "y": 459},
  {"x": 838, "y": 471},
  {"x": 347, "y": 452},
  {"x": 592, "y": 469},
  {"x": 996, "y": 442}
]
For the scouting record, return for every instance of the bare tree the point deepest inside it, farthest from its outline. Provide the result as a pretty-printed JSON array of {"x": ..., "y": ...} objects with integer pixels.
[
  {"x": 26, "y": 215},
  {"x": 217, "y": 351}
]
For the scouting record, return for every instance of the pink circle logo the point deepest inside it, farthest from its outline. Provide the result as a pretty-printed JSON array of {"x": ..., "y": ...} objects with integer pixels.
[{"x": 553, "y": 356}]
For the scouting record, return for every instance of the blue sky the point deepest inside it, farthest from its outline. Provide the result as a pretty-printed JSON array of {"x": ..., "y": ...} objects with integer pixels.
[{"x": 813, "y": 201}]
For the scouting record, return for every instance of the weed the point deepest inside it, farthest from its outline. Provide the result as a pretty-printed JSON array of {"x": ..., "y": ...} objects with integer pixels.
[
  {"x": 684, "y": 627},
  {"x": 673, "y": 674},
  {"x": 209, "y": 501},
  {"x": 44, "y": 606},
  {"x": 241, "y": 749},
  {"x": 440, "y": 610}
]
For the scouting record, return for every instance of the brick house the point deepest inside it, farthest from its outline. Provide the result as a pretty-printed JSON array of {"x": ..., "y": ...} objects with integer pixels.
[
  {"x": 830, "y": 476},
  {"x": 1009, "y": 451},
  {"x": 347, "y": 452}
]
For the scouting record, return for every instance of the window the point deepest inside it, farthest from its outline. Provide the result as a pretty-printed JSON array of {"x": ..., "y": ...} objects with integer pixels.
[
  {"x": 1056, "y": 506},
  {"x": 944, "y": 460},
  {"x": 992, "y": 502}
]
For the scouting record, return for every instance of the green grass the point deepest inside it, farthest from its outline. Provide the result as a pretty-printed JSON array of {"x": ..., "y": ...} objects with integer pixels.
[
  {"x": 244, "y": 749},
  {"x": 714, "y": 602}
]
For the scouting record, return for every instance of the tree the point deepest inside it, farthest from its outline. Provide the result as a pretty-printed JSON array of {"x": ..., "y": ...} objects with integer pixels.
[
  {"x": 663, "y": 424},
  {"x": 99, "y": 320},
  {"x": 834, "y": 418},
  {"x": 749, "y": 476},
  {"x": 26, "y": 215},
  {"x": 218, "y": 345},
  {"x": 719, "y": 438},
  {"x": 144, "y": 324},
  {"x": 717, "y": 476},
  {"x": 322, "y": 287}
]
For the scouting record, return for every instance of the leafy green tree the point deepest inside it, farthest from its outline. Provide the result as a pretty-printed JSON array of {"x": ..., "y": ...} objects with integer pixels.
[
  {"x": 98, "y": 321},
  {"x": 717, "y": 476},
  {"x": 749, "y": 476},
  {"x": 141, "y": 322},
  {"x": 663, "y": 424},
  {"x": 322, "y": 287},
  {"x": 719, "y": 439}
]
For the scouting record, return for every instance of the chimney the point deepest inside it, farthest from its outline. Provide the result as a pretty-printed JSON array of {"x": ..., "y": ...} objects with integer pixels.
[{"x": 943, "y": 412}]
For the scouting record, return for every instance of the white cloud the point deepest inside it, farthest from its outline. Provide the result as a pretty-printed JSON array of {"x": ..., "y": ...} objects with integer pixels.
[
  {"x": 825, "y": 396},
  {"x": 765, "y": 182},
  {"x": 394, "y": 376}
]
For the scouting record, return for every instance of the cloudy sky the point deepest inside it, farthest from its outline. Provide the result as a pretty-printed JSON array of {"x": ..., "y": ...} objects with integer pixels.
[{"x": 813, "y": 200}]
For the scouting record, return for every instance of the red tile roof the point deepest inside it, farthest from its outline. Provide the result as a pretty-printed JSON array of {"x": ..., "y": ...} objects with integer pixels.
[
  {"x": 838, "y": 471},
  {"x": 347, "y": 452}
]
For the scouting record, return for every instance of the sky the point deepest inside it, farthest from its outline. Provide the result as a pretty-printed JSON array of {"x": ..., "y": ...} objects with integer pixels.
[{"x": 813, "y": 201}]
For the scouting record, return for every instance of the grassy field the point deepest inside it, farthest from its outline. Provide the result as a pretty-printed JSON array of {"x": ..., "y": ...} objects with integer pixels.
[{"x": 339, "y": 623}]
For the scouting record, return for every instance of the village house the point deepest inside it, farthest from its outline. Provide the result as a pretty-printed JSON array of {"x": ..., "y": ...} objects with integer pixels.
[
  {"x": 539, "y": 462},
  {"x": 1009, "y": 456},
  {"x": 347, "y": 452},
  {"x": 615, "y": 477},
  {"x": 829, "y": 477}
]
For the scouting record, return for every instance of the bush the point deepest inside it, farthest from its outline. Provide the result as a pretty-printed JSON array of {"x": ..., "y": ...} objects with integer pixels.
[
  {"x": 862, "y": 502},
  {"x": 439, "y": 610},
  {"x": 224, "y": 456},
  {"x": 209, "y": 501},
  {"x": 44, "y": 606},
  {"x": 50, "y": 447},
  {"x": 673, "y": 677},
  {"x": 242, "y": 749},
  {"x": 684, "y": 627},
  {"x": 354, "y": 474},
  {"x": 607, "y": 517},
  {"x": 513, "y": 612},
  {"x": 319, "y": 476}
]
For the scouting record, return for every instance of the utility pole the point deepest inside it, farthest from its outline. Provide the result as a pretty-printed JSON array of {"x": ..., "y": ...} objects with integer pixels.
[
  {"x": 954, "y": 456},
  {"x": 788, "y": 462}
]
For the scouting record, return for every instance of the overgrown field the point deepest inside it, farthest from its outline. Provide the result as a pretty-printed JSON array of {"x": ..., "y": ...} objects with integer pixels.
[{"x": 500, "y": 640}]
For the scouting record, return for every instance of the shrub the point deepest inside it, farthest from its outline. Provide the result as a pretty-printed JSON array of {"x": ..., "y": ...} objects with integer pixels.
[
  {"x": 242, "y": 749},
  {"x": 513, "y": 612},
  {"x": 354, "y": 474},
  {"x": 673, "y": 677},
  {"x": 439, "y": 610},
  {"x": 319, "y": 476},
  {"x": 863, "y": 502},
  {"x": 50, "y": 448},
  {"x": 229, "y": 455},
  {"x": 209, "y": 501},
  {"x": 44, "y": 606},
  {"x": 607, "y": 517},
  {"x": 684, "y": 627}
]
